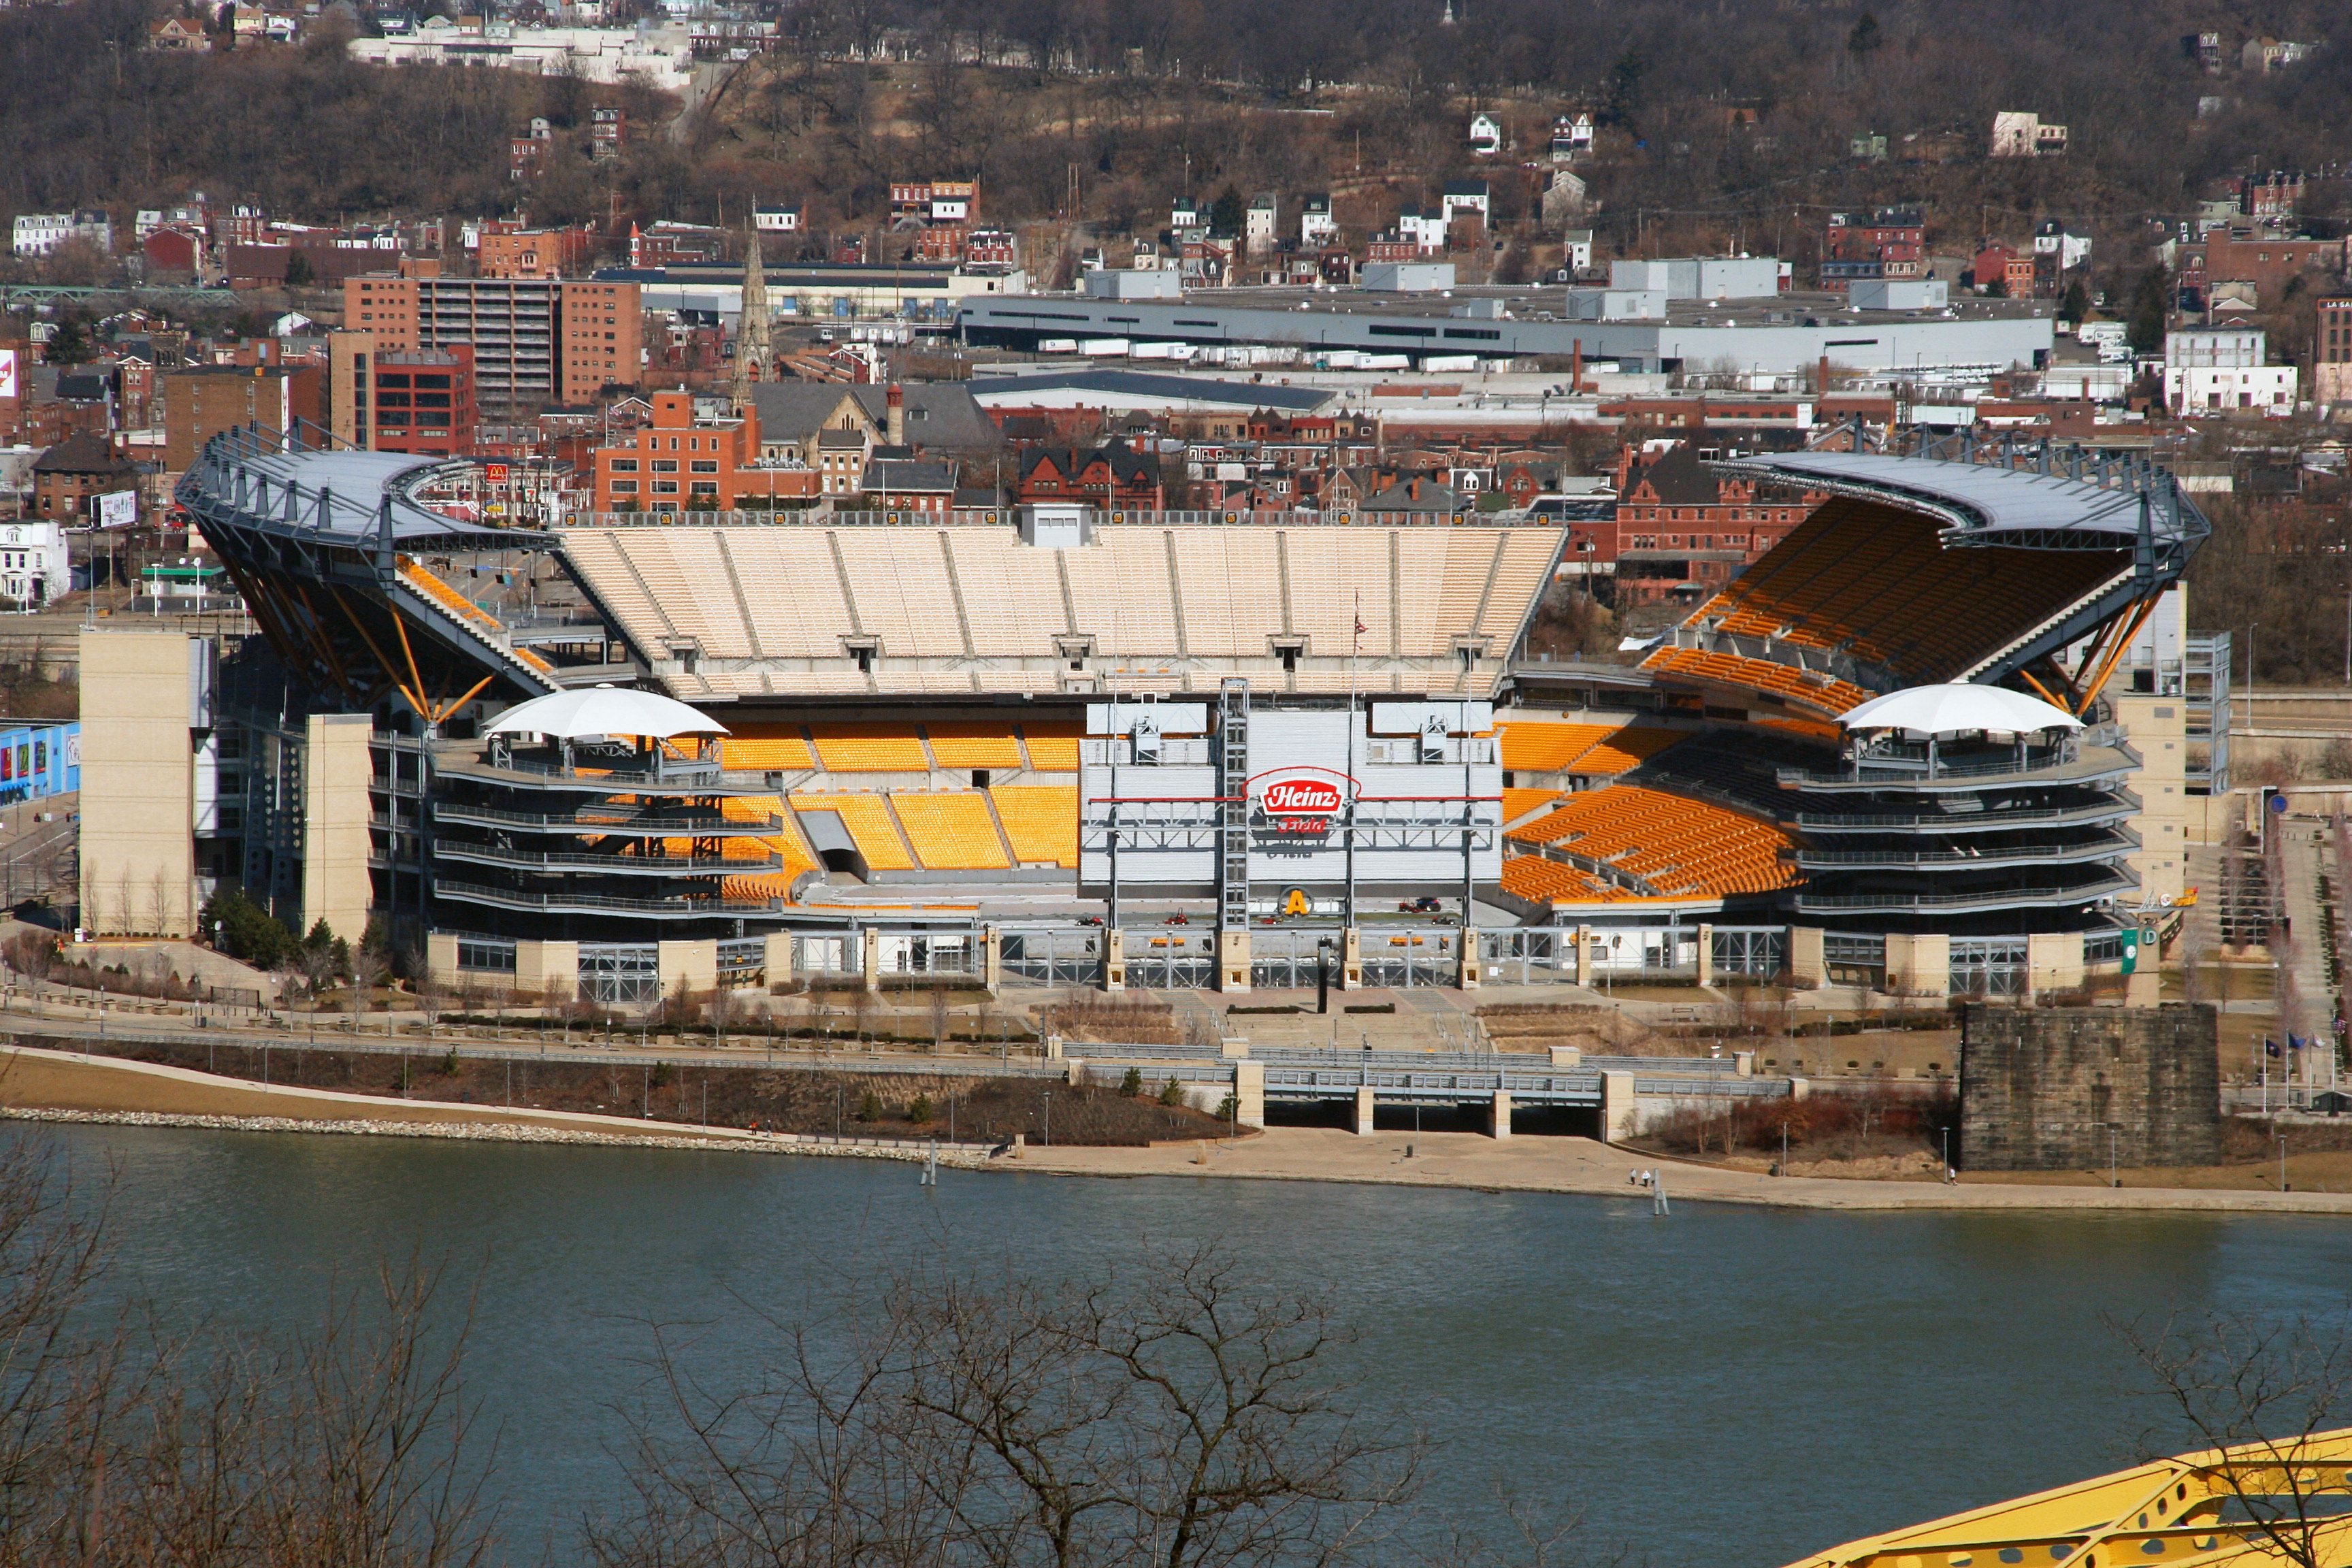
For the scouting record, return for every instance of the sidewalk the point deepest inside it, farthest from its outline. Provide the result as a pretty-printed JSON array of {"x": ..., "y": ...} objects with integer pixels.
[{"x": 1579, "y": 1165}]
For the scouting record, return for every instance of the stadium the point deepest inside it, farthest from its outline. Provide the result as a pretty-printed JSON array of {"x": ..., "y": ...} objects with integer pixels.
[{"x": 1911, "y": 746}]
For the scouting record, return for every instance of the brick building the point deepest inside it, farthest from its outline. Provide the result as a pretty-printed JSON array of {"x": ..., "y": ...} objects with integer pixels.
[
  {"x": 536, "y": 340},
  {"x": 2241, "y": 255},
  {"x": 1681, "y": 532},
  {"x": 506, "y": 250},
  {"x": 419, "y": 400},
  {"x": 1999, "y": 267},
  {"x": 1891, "y": 242},
  {"x": 202, "y": 401},
  {"x": 69, "y": 474},
  {"x": 681, "y": 463},
  {"x": 1111, "y": 476},
  {"x": 2331, "y": 350}
]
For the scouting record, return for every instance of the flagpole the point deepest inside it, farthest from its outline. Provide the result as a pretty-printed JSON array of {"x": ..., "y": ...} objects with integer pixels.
[{"x": 1355, "y": 645}]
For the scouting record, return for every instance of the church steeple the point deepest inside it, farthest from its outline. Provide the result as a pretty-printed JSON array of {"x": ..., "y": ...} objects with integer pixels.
[{"x": 754, "y": 353}]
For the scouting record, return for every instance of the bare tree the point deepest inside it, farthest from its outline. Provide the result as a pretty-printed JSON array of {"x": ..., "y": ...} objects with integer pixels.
[
  {"x": 369, "y": 967},
  {"x": 56, "y": 1387},
  {"x": 123, "y": 1445},
  {"x": 1180, "y": 1415},
  {"x": 2265, "y": 1393}
]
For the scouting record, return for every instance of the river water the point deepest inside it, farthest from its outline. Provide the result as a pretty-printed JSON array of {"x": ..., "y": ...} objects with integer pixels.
[{"x": 1731, "y": 1386}]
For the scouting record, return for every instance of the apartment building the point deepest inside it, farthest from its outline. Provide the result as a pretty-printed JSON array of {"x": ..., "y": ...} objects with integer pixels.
[
  {"x": 1890, "y": 242},
  {"x": 536, "y": 340},
  {"x": 683, "y": 461},
  {"x": 505, "y": 250},
  {"x": 419, "y": 401},
  {"x": 202, "y": 401},
  {"x": 2331, "y": 350}
]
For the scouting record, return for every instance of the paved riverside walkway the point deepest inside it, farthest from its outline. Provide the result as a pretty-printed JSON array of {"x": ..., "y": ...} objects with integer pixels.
[
  {"x": 35, "y": 1084},
  {"x": 1580, "y": 1165}
]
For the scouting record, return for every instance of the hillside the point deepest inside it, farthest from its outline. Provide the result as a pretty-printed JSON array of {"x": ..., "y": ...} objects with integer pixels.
[
  {"x": 1722, "y": 125},
  {"x": 88, "y": 117}
]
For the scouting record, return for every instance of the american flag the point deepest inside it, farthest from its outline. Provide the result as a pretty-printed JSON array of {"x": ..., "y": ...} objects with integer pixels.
[{"x": 1360, "y": 628}]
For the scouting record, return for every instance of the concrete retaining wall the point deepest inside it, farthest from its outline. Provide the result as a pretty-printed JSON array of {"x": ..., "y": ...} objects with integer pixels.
[{"x": 2047, "y": 1089}]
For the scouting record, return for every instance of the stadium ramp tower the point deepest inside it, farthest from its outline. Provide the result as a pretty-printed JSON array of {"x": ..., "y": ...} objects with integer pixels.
[
  {"x": 324, "y": 544},
  {"x": 1952, "y": 560}
]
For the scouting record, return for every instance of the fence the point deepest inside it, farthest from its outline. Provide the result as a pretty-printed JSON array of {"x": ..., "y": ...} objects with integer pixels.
[
  {"x": 1054, "y": 956},
  {"x": 1995, "y": 966},
  {"x": 1854, "y": 960},
  {"x": 1754, "y": 953}
]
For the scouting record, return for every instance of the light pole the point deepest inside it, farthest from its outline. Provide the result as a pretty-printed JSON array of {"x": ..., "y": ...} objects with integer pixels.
[{"x": 2251, "y": 626}]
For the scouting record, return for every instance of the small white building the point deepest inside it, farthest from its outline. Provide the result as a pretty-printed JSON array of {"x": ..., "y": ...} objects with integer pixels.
[
  {"x": 1317, "y": 226},
  {"x": 32, "y": 565},
  {"x": 2053, "y": 238},
  {"x": 1421, "y": 227},
  {"x": 39, "y": 234},
  {"x": 2214, "y": 348},
  {"x": 2203, "y": 389},
  {"x": 776, "y": 220},
  {"x": 1465, "y": 196},
  {"x": 1572, "y": 135},
  {"x": 1563, "y": 198},
  {"x": 1486, "y": 134},
  {"x": 1576, "y": 251}
]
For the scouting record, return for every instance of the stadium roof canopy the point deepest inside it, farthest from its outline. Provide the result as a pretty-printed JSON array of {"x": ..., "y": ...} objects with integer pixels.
[
  {"x": 785, "y": 610},
  {"x": 1963, "y": 560},
  {"x": 325, "y": 546},
  {"x": 337, "y": 496},
  {"x": 1988, "y": 504},
  {"x": 605, "y": 710},
  {"x": 1953, "y": 709}
]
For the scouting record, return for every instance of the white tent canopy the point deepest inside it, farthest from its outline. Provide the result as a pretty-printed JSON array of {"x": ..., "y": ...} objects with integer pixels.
[
  {"x": 1958, "y": 709},
  {"x": 604, "y": 710}
]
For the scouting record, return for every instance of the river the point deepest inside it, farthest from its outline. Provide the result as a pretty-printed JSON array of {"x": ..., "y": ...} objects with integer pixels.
[{"x": 1729, "y": 1384}]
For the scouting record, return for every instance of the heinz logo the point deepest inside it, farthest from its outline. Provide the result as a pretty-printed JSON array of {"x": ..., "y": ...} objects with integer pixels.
[{"x": 1301, "y": 798}]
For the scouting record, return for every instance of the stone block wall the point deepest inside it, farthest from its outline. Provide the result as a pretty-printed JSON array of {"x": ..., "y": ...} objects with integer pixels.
[{"x": 2040, "y": 1087}]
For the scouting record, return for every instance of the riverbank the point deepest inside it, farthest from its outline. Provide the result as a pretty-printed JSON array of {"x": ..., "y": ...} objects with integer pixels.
[
  {"x": 48, "y": 1085},
  {"x": 51, "y": 1085}
]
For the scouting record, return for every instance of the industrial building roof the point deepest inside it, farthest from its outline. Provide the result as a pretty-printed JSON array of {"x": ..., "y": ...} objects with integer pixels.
[{"x": 1138, "y": 389}]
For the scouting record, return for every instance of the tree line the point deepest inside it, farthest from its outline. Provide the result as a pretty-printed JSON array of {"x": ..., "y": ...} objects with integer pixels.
[{"x": 1720, "y": 124}]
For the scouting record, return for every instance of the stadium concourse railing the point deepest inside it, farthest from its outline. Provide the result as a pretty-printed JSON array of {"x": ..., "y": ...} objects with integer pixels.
[
  {"x": 621, "y": 973},
  {"x": 2046, "y": 456},
  {"x": 827, "y": 515}
]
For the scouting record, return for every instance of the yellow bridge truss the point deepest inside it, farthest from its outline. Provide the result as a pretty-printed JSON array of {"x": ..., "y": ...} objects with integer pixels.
[{"x": 2287, "y": 1503}]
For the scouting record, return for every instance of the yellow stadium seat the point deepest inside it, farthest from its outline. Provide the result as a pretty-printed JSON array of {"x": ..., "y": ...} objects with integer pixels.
[
  {"x": 1541, "y": 746},
  {"x": 871, "y": 828},
  {"x": 973, "y": 746},
  {"x": 1624, "y": 750},
  {"x": 870, "y": 748},
  {"x": 1517, "y": 803},
  {"x": 951, "y": 831},
  {"x": 779, "y": 750},
  {"x": 1050, "y": 751},
  {"x": 1678, "y": 845},
  {"x": 1041, "y": 821}
]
